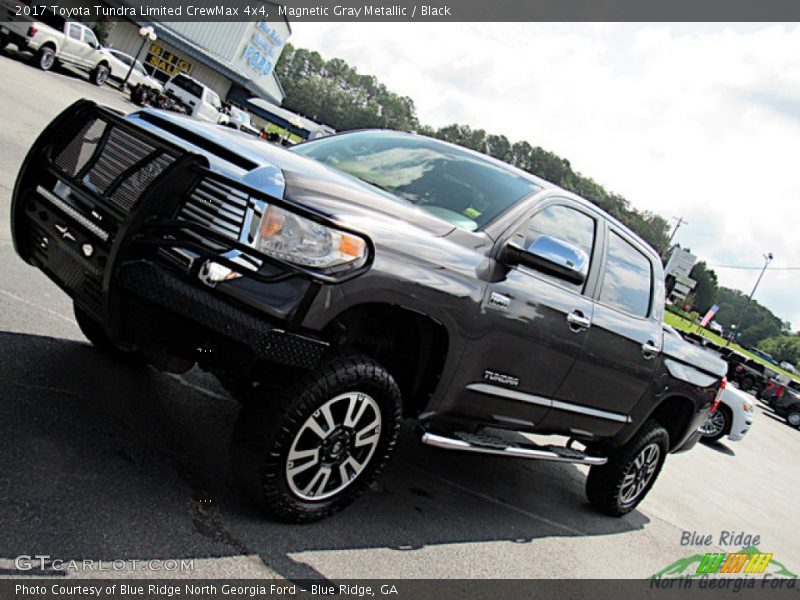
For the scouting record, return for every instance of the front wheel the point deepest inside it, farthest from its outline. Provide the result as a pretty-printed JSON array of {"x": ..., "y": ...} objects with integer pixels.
[
  {"x": 310, "y": 450},
  {"x": 793, "y": 418},
  {"x": 716, "y": 425},
  {"x": 618, "y": 486},
  {"x": 100, "y": 75}
]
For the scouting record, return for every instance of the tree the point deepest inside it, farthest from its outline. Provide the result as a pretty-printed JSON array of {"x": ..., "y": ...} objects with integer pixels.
[
  {"x": 334, "y": 93},
  {"x": 705, "y": 292},
  {"x": 758, "y": 323},
  {"x": 783, "y": 348}
]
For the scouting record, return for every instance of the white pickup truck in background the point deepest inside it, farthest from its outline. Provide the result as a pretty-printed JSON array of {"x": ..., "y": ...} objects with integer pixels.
[
  {"x": 196, "y": 99},
  {"x": 52, "y": 39}
]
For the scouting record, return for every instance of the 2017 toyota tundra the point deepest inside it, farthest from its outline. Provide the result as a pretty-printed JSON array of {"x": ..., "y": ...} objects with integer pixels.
[{"x": 351, "y": 281}]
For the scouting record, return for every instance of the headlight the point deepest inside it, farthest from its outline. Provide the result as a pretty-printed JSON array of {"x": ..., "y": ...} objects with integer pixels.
[{"x": 300, "y": 241}]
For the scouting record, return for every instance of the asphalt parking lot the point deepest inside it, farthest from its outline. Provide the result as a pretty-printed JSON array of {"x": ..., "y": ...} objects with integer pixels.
[{"x": 102, "y": 461}]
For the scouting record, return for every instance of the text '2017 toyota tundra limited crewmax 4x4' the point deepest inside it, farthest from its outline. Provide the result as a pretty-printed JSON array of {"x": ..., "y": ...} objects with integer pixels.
[{"x": 351, "y": 281}]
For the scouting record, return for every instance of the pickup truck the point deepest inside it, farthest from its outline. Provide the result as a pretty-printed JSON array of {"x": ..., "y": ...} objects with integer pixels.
[
  {"x": 748, "y": 374},
  {"x": 196, "y": 99},
  {"x": 347, "y": 283},
  {"x": 52, "y": 39}
]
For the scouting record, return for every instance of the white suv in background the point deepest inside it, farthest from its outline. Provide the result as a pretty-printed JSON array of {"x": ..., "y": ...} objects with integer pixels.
[
  {"x": 120, "y": 65},
  {"x": 200, "y": 101}
]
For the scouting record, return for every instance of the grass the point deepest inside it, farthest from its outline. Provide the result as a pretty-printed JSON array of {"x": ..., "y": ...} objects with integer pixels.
[{"x": 679, "y": 322}]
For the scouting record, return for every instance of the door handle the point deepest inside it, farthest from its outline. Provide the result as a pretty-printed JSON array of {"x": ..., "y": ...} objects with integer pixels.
[
  {"x": 649, "y": 350},
  {"x": 577, "y": 322}
]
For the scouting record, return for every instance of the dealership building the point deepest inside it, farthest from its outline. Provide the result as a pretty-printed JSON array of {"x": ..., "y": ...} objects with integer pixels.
[{"x": 235, "y": 59}]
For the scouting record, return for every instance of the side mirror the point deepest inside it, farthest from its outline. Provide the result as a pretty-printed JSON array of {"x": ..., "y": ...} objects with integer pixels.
[{"x": 550, "y": 255}]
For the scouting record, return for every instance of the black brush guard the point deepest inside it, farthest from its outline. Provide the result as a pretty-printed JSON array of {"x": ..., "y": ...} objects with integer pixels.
[{"x": 97, "y": 206}]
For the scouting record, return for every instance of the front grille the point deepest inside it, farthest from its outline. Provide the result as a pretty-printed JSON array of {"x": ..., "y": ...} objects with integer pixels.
[
  {"x": 113, "y": 163},
  {"x": 219, "y": 207}
]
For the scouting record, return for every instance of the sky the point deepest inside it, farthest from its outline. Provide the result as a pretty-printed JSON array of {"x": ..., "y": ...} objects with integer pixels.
[{"x": 700, "y": 121}]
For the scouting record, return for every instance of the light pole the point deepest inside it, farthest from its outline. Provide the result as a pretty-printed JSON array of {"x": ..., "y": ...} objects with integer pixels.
[
  {"x": 147, "y": 34},
  {"x": 735, "y": 328}
]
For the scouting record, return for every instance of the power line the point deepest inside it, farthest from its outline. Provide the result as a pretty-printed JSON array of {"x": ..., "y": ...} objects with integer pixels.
[{"x": 754, "y": 268}]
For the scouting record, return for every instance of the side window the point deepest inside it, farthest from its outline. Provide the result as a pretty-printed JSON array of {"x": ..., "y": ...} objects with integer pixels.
[
  {"x": 628, "y": 281},
  {"x": 89, "y": 37},
  {"x": 565, "y": 224},
  {"x": 75, "y": 31}
]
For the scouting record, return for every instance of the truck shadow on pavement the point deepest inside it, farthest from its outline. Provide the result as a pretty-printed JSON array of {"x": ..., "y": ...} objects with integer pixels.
[
  {"x": 719, "y": 447},
  {"x": 106, "y": 461},
  {"x": 11, "y": 52}
]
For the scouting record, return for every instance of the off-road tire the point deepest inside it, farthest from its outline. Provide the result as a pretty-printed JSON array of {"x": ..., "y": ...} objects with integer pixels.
[
  {"x": 605, "y": 482},
  {"x": 727, "y": 417},
  {"x": 95, "y": 333},
  {"x": 100, "y": 75},
  {"x": 46, "y": 58},
  {"x": 267, "y": 428},
  {"x": 139, "y": 95}
]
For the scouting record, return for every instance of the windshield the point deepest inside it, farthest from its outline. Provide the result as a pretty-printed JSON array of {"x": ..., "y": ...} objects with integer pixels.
[
  {"x": 214, "y": 100},
  {"x": 464, "y": 189},
  {"x": 240, "y": 115}
]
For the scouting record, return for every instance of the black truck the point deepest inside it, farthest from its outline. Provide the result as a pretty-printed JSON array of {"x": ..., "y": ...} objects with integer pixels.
[{"x": 353, "y": 281}]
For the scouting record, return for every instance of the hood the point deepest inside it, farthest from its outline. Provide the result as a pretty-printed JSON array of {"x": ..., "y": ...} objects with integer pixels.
[{"x": 287, "y": 175}]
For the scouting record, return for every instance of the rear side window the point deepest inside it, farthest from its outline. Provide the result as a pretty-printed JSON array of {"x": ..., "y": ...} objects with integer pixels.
[
  {"x": 75, "y": 31},
  {"x": 628, "y": 281}
]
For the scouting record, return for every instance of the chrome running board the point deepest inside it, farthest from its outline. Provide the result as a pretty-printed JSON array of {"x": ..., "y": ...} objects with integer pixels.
[{"x": 497, "y": 446}]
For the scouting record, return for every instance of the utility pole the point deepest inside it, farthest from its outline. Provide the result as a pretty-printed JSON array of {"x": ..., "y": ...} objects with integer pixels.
[
  {"x": 678, "y": 224},
  {"x": 735, "y": 328}
]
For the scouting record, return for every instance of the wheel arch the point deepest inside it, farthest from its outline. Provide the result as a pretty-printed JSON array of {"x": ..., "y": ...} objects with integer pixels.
[
  {"x": 48, "y": 44},
  {"x": 412, "y": 345},
  {"x": 675, "y": 414}
]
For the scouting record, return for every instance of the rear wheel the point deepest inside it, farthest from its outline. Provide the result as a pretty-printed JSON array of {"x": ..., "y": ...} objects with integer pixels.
[
  {"x": 45, "y": 58},
  {"x": 793, "y": 418},
  {"x": 618, "y": 486},
  {"x": 716, "y": 425},
  {"x": 100, "y": 75},
  {"x": 313, "y": 448}
]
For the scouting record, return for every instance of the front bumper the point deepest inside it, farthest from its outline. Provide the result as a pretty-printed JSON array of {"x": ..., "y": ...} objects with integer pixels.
[{"x": 127, "y": 223}]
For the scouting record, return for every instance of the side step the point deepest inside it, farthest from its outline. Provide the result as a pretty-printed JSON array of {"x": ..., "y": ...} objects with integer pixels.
[{"x": 519, "y": 447}]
